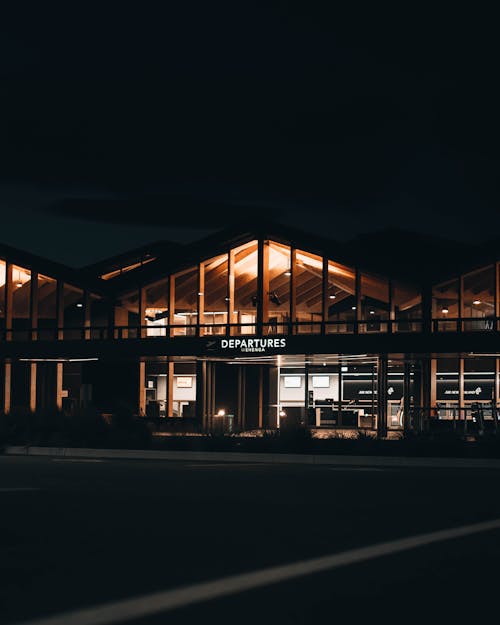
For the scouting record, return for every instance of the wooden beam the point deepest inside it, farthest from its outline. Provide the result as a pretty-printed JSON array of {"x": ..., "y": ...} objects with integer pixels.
[
  {"x": 7, "y": 388},
  {"x": 142, "y": 388},
  {"x": 59, "y": 385},
  {"x": 34, "y": 305},
  {"x": 32, "y": 376}
]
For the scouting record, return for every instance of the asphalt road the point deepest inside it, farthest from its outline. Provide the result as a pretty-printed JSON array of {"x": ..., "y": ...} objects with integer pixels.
[{"x": 80, "y": 533}]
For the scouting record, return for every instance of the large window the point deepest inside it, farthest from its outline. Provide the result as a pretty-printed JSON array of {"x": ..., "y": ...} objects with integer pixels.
[
  {"x": 245, "y": 288},
  {"x": 374, "y": 303},
  {"x": 279, "y": 287},
  {"x": 21, "y": 298},
  {"x": 156, "y": 308},
  {"x": 341, "y": 298},
  {"x": 309, "y": 292},
  {"x": 47, "y": 307},
  {"x": 214, "y": 295},
  {"x": 445, "y": 305},
  {"x": 479, "y": 299},
  {"x": 184, "y": 287},
  {"x": 407, "y": 302},
  {"x": 74, "y": 314}
]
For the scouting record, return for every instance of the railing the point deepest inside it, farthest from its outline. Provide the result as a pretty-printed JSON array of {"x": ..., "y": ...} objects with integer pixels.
[{"x": 343, "y": 326}]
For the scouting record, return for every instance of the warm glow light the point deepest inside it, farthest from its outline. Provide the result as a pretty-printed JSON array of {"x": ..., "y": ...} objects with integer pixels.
[
  {"x": 19, "y": 284},
  {"x": 288, "y": 273},
  {"x": 79, "y": 305},
  {"x": 221, "y": 412},
  {"x": 444, "y": 309},
  {"x": 372, "y": 312},
  {"x": 476, "y": 301},
  {"x": 282, "y": 413},
  {"x": 332, "y": 296},
  {"x": 353, "y": 307}
]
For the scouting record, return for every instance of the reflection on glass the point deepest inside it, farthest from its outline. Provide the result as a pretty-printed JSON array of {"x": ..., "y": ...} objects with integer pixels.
[
  {"x": 185, "y": 293},
  {"x": 445, "y": 305},
  {"x": 279, "y": 287},
  {"x": 156, "y": 308},
  {"x": 341, "y": 298},
  {"x": 215, "y": 295},
  {"x": 374, "y": 303},
  {"x": 21, "y": 297},
  {"x": 309, "y": 292},
  {"x": 407, "y": 301},
  {"x": 479, "y": 299},
  {"x": 245, "y": 288}
]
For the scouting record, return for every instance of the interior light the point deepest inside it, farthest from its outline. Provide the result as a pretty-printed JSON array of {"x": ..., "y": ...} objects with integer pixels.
[
  {"x": 19, "y": 284},
  {"x": 444, "y": 309},
  {"x": 200, "y": 293},
  {"x": 476, "y": 301},
  {"x": 282, "y": 413},
  {"x": 353, "y": 307},
  {"x": 372, "y": 312},
  {"x": 221, "y": 412},
  {"x": 227, "y": 299},
  {"x": 79, "y": 305},
  {"x": 332, "y": 296},
  {"x": 288, "y": 273}
]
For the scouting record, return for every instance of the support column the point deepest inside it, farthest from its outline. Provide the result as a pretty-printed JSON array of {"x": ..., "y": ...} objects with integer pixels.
[
  {"x": 325, "y": 296},
  {"x": 201, "y": 392},
  {"x": 60, "y": 311},
  {"x": 86, "y": 315},
  {"x": 263, "y": 287},
  {"x": 260, "y": 397},
  {"x": 382, "y": 396},
  {"x": 170, "y": 389},
  {"x": 7, "y": 386},
  {"x": 306, "y": 395},
  {"x": 142, "y": 388},
  {"x": 496, "y": 393},
  {"x": 34, "y": 305},
  {"x": 407, "y": 424},
  {"x": 141, "y": 331},
  {"x": 8, "y": 304},
  {"x": 461, "y": 411},
  {"x": 32, "y": 386},
  {"x": 59, "y": 385},
  {"x": 201, "y": 299},
  {"x": 357, "y": 312},
  {"x": 241, "y": 397},
  {"x": 230, "y": 292},
  {"x": 293, "y": 289}
]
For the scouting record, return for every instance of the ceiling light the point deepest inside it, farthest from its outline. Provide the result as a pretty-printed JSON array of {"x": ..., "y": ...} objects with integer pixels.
[
  {"x": 353, "y": 307},
  {"x": 79, "y": 305},
  {"x": 200, "y": 293},
  {"x": 19, "y": 284},
  {"x": 332, "y": 296},
  {"x": 372, "y": 312},
  {"x": 444, "y": 309},
  {"x": 476, "y": 302},
  {"x": 288, "y": 273}
]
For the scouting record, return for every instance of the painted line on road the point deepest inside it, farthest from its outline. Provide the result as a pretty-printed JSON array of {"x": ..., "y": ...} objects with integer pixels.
[{"x": 159, "y": 602}]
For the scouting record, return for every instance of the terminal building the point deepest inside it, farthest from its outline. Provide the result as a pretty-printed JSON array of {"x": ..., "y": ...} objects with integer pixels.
[{"x": 265, "y": 327}]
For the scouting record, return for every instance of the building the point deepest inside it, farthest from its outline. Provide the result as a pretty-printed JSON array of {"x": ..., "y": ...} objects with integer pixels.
[{"x": 264, "y": 327}]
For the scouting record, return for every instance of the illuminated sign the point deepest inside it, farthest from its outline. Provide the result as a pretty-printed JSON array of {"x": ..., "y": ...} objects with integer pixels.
[{"x": 251, "y": 345}]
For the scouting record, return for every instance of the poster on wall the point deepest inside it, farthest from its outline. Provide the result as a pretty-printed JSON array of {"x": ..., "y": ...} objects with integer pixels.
[
  {"x": 184, "y": 381},
  {"x": 321, "y": 381},
  {"x": 292, "y": 381}
]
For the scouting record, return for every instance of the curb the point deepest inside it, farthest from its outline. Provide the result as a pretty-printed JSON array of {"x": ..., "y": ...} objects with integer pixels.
[{"x": 269, "y": 458}]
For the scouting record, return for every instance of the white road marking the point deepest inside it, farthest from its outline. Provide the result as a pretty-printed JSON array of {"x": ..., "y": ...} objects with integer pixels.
[
  {"x": 16, "y": 489},
  {"x": 159, "y": 602},
  {"x": 77, "y": 460}
]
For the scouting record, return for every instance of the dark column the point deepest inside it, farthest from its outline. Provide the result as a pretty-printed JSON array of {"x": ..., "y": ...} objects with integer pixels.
[
  {"x": 263, "y": 286},
  {"x": 305, "y": 421},
  {"x": 382, "y": 396},
  {"x": 427, "y": 309},
  {"x": 406, "y": 397},
  {"x": 201, "y": 392},
  {"x": 261, "y": 397},
  {"x": 241, "y": 397}
]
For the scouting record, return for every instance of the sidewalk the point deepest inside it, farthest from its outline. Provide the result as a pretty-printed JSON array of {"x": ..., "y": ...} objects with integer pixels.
[{"x": 267, "y": 458}]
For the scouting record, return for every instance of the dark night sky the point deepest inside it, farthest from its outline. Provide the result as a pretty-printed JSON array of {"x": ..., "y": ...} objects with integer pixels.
[{"x": 120, "y": 127}]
